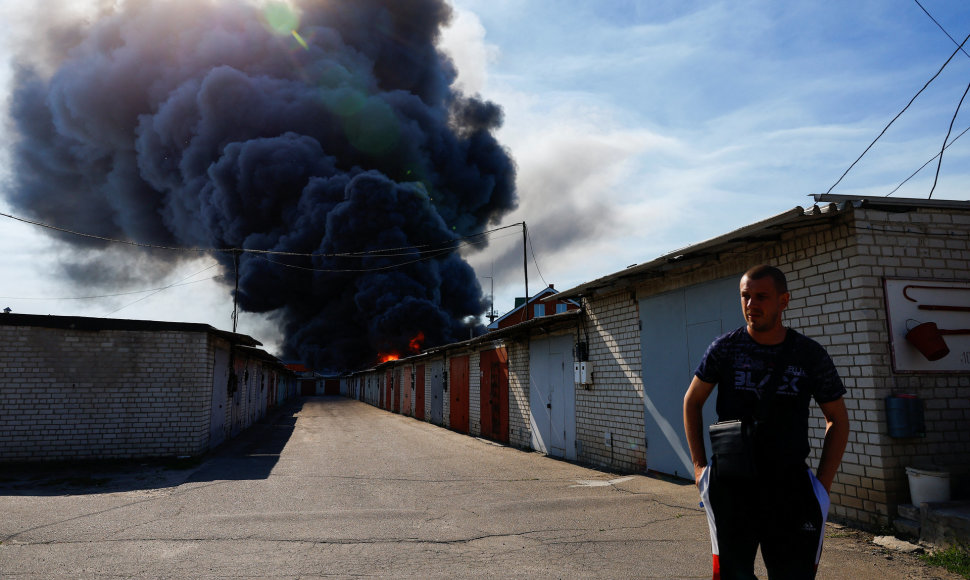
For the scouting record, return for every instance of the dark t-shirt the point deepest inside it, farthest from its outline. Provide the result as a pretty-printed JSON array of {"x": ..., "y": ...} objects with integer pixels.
[{"x": 740, "y": 367}]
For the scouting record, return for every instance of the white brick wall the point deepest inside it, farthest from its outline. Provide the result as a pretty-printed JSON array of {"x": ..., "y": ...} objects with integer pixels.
[
  {"x": 474, "y": 393},
  {"x": 71, "y": 394},
  {"x": 615, "y": 402},
  {"x": 925, "y": 244},
  {"x": 836, "y": 270},
  {"x": 519, "y": 427}
]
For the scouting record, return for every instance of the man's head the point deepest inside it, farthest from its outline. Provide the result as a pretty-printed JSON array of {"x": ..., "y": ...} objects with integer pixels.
[{"x": 764, "y": 296}]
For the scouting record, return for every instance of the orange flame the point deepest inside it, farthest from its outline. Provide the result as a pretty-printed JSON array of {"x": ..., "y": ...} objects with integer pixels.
[
  {"x": 415, "y": 343},
  {"x": 414, "y": 347}
]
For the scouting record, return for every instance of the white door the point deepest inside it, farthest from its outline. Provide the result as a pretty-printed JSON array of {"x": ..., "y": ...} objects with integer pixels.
[
  {"x": 676, "y": 329},
  {"x": 552, "y": 396}
]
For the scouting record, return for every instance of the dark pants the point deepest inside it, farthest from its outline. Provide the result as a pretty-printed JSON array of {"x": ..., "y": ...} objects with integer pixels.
[{"x": 784, "y": 515}]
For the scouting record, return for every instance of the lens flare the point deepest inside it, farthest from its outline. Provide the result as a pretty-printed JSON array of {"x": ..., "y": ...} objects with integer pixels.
[
  {"x": 281, "y": 18},
  {"x": 299, "y": 39}
]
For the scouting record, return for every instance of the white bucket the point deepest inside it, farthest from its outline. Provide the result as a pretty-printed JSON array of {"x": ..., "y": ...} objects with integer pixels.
[{"x": 928, "y": 486}]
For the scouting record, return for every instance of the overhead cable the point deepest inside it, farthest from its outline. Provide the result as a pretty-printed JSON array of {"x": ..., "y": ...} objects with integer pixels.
[
  {"x": 99, "y": 296},
  {"x": 536, "y": 262},
  {"x": 948, "y": 131},
  {"x": 162, "y": 289},
  {"x": 886, "y": 128},
  {"x": 930, "y": 160},
  {"x": 359, "y": 254},
  {"x": 940, "y": 26}
]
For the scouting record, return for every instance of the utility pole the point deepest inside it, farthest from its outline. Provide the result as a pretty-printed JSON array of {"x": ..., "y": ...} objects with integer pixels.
[
  {"x": 525, "y": 265},
  {"x": 235, "y": 295}
]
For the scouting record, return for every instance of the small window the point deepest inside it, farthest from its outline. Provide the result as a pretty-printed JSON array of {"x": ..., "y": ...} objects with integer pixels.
[
  {"x": 540, "y": 310},
  {"x": 560, "y": 308}
]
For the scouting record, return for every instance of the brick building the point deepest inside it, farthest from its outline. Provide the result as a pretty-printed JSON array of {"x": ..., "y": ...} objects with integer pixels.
[
  {"x": 74, "y": 388},
  {"x": 855, "y": 266},
  {"x": 543, "y": 303},
  {"x": 651, "y": 323}
]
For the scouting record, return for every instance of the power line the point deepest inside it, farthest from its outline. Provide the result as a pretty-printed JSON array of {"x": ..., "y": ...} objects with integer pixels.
[
  {"x": 112, "y": 240},
  {"x": 927, "y": 12},
  {"x": 939, "y": 162},
  {"x": 162, "y": 289},
  {"x": 886, "y": 128},
  {"x": 99, "y": 296},
  {"x": 536, "y": 262},
  {"x": 930, "y": 160},
  {"x": 368, "y": 253},
  {"x": 428, "y": 256}
]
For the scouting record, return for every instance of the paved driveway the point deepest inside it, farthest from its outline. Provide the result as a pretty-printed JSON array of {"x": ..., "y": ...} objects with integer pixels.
[{"x": 336, "y": 488}]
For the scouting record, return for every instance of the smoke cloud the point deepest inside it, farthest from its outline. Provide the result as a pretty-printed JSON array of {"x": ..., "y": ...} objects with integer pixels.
[{"x": 328, "y": 128}]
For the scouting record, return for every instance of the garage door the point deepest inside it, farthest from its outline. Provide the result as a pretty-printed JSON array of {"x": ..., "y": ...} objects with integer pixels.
[
  {"x": 552, "y": 396},
  {"x": 676, "y": 329}
]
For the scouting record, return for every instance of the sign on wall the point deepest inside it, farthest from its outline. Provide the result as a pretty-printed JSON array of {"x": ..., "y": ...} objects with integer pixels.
[{"x": 929, "y": 325}]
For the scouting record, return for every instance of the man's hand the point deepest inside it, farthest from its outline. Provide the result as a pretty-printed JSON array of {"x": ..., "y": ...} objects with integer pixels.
[
  {"x": 698, "y": 471},
  {"x": 697, "y": 394},
  {"x": 836, "y": 437}
]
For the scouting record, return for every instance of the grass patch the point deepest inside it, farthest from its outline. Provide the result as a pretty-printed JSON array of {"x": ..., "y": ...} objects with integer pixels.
[{"x": 954, "y": 559}]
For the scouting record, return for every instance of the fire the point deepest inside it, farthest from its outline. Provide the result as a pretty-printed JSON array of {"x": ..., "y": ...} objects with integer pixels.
[
  {"x": 415, "y": 343},
  {"x": 414, "y": 347}
]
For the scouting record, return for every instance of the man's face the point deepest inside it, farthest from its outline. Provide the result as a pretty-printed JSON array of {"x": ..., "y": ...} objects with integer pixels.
[{"x": 762, "y": 304}]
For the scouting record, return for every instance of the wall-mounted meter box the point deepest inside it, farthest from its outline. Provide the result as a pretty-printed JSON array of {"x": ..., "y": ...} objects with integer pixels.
[{"x": 583, "y": 373}]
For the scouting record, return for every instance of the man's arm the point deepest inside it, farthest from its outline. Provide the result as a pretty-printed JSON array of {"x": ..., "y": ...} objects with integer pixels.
[
  {"x": 836, "y": 438},
  {"x": 697, "y": 394}
]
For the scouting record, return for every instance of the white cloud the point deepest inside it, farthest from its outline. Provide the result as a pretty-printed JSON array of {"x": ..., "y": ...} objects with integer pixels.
[{"x": 464, "y": 41}]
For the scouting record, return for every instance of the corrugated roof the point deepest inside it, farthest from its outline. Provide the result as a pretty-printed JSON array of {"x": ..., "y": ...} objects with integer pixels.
[{"x": 763, "y": 230}]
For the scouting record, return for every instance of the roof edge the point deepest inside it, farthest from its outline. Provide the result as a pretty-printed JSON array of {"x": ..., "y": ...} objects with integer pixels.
[
  {"x": 676, "y": 255},
  {"x": 96, "y": 324}
]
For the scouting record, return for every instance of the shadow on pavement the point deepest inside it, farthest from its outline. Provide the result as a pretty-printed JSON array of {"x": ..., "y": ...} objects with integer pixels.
[{"x": 251, "y": 455}]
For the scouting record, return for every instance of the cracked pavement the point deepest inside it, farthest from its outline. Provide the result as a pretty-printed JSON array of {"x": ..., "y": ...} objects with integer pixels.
[{"x": 330, "y": 487}]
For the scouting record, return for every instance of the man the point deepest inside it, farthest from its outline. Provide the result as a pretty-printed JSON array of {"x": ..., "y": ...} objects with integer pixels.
[{"x": 784, "y": 509}]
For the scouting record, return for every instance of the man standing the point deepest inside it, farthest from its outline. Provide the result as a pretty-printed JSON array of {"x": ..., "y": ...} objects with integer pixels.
[{"x": 783, "y": 509}]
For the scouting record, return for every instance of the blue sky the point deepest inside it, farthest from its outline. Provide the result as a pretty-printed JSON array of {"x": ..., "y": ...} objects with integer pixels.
[
  {"x": 662, "y": 124},
  {"x": 642, "y": 127}
]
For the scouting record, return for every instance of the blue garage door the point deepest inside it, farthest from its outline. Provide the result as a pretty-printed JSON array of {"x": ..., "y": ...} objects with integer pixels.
[{"x": 676, "y": 328}]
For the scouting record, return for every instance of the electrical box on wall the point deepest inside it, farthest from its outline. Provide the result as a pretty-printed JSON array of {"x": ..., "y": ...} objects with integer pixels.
[{"x": 583, "y": 374}]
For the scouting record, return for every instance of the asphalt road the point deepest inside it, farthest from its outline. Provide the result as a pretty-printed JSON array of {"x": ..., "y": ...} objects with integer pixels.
[{"x": 332, "y": 487}]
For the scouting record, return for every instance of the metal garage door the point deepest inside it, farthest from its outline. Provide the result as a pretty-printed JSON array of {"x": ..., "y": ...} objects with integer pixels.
[
  {"x": 436, "y": 391},
  {"x": 552, "y": 396},
  {"x": 676, "y": 328}
]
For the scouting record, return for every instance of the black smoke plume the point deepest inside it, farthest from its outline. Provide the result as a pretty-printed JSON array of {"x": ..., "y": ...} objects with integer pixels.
[{"x": 326, "y": 128}]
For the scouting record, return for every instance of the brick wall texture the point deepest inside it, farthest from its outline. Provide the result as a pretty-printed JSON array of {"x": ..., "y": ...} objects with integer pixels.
[
  {"x": 520, "y": 434},
  {"x": 69, "y": 394},
  {"x": 836, "y": 270},
  {"x": 609, "y": 415}
]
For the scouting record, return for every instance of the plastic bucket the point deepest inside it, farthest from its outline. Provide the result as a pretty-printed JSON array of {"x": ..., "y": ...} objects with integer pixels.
[{"x": 928, "y": 486}]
